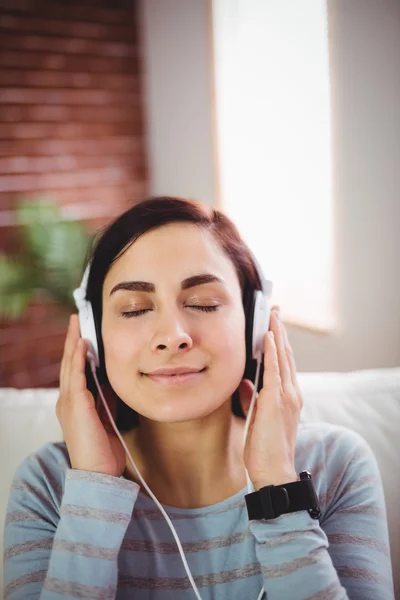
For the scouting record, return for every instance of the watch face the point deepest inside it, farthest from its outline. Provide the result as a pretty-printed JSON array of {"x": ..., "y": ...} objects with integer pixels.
[{"x": 315, "y": 513}]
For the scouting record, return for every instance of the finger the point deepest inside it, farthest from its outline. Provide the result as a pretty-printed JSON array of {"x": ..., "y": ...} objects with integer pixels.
[
  {"x": 69, "y": 349},
  {"x": 290, "y": 357},
  {"x": 62, "y": 365},
  {"x": 74, "y": 339},
  {"x": 284, "y": 369},
  {"x": 77, "y": 384},
  {"x": 272, "y": 377}
]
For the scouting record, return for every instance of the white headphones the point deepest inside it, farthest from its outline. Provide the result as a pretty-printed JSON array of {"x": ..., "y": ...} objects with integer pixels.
[
  {"x": 257, "y": 315},
  {"x": 86, "y": 319}
]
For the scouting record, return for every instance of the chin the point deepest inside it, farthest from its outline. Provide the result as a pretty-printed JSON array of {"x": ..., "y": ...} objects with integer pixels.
[{"x": 167, "y": 407}]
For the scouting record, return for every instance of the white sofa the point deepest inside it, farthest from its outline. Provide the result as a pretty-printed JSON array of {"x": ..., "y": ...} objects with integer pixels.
[{"x": 365, "y": 401}]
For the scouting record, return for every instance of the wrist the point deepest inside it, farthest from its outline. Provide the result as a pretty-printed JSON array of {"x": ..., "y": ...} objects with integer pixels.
[
  {"x": 280, "y": 479},
  {"x": 282, "y": 494}
]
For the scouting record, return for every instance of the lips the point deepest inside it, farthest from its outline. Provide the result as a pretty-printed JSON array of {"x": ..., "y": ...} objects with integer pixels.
[
  {"x": 175, "y": 371},
  {"x": 174, "y": 378}
]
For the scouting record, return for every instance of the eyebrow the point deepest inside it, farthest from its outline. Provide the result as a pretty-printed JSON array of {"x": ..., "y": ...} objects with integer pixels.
[{"x": 145, "y": 286}]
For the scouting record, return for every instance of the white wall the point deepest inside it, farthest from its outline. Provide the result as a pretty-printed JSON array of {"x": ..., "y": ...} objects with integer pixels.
[
  {"x": 365, "y": 62},
  {"x": 177, "y": 78}
]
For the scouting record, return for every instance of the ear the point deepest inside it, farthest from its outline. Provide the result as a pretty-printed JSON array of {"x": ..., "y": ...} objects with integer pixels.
[{"x": 245, "y": 389}]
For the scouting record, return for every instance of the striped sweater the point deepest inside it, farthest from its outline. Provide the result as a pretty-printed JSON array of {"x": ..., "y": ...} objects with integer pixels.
[{"x": 76, "y": 534}]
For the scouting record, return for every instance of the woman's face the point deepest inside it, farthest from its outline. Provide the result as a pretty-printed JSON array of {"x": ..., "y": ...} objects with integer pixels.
[{"x": 162, "y": 322}]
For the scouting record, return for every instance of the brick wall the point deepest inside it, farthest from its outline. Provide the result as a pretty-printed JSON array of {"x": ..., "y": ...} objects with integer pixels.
[{"x": 71, "y": 126}]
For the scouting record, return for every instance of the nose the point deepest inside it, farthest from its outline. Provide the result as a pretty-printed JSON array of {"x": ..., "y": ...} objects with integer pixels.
[{"x": 171, "y": 334}]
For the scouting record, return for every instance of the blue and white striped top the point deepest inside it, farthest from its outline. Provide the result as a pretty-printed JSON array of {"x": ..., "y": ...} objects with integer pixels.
[{"x": 76, "y": 534}]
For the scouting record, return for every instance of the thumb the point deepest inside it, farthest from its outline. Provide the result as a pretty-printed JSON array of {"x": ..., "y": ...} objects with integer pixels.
[{"x": 246, "y": 389}]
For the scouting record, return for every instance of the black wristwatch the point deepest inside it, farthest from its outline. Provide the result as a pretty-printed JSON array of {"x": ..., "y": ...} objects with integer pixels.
[{"x": 272, "y": 501}]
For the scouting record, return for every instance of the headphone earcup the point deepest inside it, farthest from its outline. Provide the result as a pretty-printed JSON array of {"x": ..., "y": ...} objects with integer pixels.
[
  {"x": 249, "y": 303},
  {"x": 88, "y": 331},
  {"x": 87, "y": 325},
  {"x": 257, "y": 316},
  {"x": 261, "y": 317}
]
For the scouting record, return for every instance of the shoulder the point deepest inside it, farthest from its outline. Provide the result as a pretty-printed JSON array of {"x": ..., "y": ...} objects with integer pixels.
[
  {"x": 50, "y": 457},
  {"x": 342, "y": 463},
  {"x": 40, "y": 477},
  {"x": 335, "y": 441},
  {"x": 353, "y": 510}
]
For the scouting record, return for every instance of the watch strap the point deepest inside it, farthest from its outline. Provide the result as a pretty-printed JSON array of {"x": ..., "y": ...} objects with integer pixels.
[{"x": 274, "y": 500}]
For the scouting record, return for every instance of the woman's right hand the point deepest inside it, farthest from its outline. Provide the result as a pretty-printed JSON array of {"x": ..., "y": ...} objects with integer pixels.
[{"x": 90, "y": 438}]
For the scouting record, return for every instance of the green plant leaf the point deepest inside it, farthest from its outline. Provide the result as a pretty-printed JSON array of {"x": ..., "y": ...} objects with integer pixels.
[
  {"x": 63, "y": 263},
  {"x": 42, "y": 209},
  {"x": 52, "y": 257},
  {"x": 36, "y": 219},
  {"x": 18, "y": 282}
]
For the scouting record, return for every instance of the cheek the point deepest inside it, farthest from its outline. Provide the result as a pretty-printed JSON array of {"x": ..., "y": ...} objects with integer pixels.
[
  {"x": 121, "y": 353},
  {"x": 228, "y": 340},
  {"x": 121, "y": 348}
]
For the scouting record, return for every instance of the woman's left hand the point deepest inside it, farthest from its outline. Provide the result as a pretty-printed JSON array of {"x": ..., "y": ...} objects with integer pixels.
[{"x": 271, "y": 437}]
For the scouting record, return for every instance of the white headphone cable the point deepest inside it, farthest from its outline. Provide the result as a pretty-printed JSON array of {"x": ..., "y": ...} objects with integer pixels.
[{"x": 250, "y": 487}]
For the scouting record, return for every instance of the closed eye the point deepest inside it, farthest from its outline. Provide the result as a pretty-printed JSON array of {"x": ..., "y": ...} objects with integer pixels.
[
  {"x": 205, "y": 308},
  {"x": 134, "y": 313},
  {"x": 137, "y": 313}
]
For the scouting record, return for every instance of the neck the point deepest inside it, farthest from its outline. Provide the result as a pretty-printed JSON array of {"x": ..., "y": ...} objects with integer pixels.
[{"x": 191, "y": 464}]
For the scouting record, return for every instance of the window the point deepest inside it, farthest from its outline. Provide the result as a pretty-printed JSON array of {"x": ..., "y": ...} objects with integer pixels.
[{"x": 272, "y": 94}]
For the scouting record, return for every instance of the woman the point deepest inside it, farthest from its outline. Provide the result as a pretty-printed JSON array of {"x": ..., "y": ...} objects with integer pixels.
[{"x": 169, "y": 281}]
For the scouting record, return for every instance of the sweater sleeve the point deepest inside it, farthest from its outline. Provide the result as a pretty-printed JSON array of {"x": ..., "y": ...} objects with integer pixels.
[
  {"x": 346, "y": 555},
  {"x": 68, "y": 549}
]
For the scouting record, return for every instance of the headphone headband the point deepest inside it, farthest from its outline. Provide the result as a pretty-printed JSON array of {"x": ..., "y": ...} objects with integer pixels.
[{"x": 266, "y": 284}]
